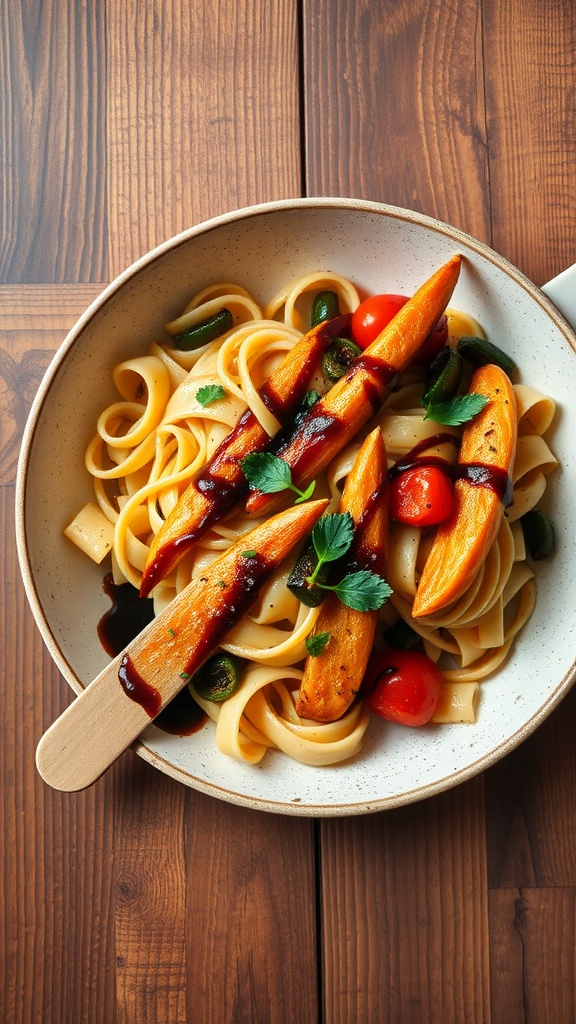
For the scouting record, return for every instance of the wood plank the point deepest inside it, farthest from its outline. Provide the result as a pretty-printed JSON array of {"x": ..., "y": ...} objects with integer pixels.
[
  {"x": 43, "y": 307},
  {"x": 52, "y": 134},
  {"x": 35, "y": 320},
  {"x": 395, "y": 107},
  {"x": 534, "y": 960},
  {"x": 251, "y": 900},
  {"x": 57, "y": 936},
  {"x": 404, "y": 894},
  {"x": 203, "y": 115},
  {"x": 531, "y": 807},
  {"x": 531, "y": 140},
  {"x": 150, "y": 895}
]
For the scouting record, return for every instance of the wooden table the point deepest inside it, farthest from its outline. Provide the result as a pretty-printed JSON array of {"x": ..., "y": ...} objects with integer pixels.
[{"x": 140, "y": 900}]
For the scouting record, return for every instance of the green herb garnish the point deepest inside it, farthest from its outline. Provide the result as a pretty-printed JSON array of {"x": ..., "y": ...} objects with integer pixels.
[
  {"x": 316, "y": 643},
  {"x": 332, "y": 537},
  {"x": 269, "y": 473},
  {"x": 456, "y": 411},
  {"x": 209, "y": 393},
  {"x": 249, "y": 554},
  {"x": 363, "y": 590}
]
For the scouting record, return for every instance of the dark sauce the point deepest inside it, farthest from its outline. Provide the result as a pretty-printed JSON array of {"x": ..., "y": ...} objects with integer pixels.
[
  {"x": 477, "y": 474},
  {"x": 127, "y": 617},
  {"x": 137, "y": 688},
  {"x": 240, "y": 594},
  {"x": 495, "y": 479},
  {"x": 415, "y": 456},
  {"x": 380, "y": 376},
  {"x": 221, "y": 495},
  {"x": 182, "y": 716},
  {"x": 317, "y": 428},
  {"x": 362, "y": 556}
]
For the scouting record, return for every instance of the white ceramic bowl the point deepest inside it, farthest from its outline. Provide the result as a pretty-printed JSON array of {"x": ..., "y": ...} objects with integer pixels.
[{"x": 382, "y": 249}]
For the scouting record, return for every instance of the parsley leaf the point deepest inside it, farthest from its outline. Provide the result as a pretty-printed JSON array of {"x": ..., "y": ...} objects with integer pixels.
[
  {"x": 209, "y": 393},
  {"x": 316, "y": 642},
  {"x": 331, "y": 537},
  {"x": 364, "y": 591},
  {"x": 269, "y": 473},
  {"x": 457, "y": 410}
]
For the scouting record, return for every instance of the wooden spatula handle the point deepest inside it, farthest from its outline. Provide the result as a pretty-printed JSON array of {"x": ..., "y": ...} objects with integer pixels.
[{"x": 128, "y": 694}]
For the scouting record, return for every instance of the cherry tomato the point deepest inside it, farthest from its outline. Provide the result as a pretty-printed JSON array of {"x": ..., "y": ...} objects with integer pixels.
[
  {"x": 421, "y": 496},
  {"x": 373, "y": 315},
  {"x": 434, "y": 342},
  {"x": 404, "y": 686}
]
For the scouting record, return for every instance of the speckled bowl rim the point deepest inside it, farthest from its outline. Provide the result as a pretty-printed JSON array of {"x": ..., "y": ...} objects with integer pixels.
[{"x": 139, "y": 746}]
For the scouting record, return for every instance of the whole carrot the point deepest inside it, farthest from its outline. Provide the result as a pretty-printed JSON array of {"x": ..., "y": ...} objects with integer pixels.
[
  {"x": 334, "y": 420},
  {"x": 213, "y": 492}
]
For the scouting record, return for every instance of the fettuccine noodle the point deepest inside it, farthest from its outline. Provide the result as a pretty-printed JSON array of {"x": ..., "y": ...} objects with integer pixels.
[{"x": 151, "y": 442}]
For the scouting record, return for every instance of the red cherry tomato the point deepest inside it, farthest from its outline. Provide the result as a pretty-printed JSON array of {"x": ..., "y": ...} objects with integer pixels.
[
  {"x": 434, "y": 342},
  {"x": 404, "y": 686},
  {"x": 421, "y": 496},
  {"x": 373, "y": 315}
]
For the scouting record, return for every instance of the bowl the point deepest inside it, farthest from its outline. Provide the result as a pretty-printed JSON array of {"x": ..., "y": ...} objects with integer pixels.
[{"x": 380, "y": 248}]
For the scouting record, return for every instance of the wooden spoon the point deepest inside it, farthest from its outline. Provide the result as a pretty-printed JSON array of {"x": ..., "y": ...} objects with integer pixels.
[{"x": 128, "y": 694}]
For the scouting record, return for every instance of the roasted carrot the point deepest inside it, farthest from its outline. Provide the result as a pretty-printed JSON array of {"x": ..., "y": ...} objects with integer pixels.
[
  {"x": 221, "y": 482},
  {"x": 216, "y": 600},
  {"x": 482, "y": 490},
  {"x": 341, "y": 413},
  {"x": 332, "y": 679}
]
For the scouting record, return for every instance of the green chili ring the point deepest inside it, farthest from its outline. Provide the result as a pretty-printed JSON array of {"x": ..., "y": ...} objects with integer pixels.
[
  {"x": 444, "y": 378},
  {"x": 204, "y": 332},
  {"x": 324, "y": 307},
  {"x": 481, "y": 352},
  {"x": 218, "y": 678},
  {"x": 539, "y": 534},
  {"x": 338, "y": 357}
]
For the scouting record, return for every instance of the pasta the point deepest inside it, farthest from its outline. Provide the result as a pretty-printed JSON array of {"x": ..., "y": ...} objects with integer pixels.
[{"x": 151, "y": 442}]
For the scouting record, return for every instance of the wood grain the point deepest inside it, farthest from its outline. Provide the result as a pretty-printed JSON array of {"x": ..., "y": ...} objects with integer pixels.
[
  {"x": 404, "y": 894},
  {"x": 55, "y": 900},
  {"x": 44, "y": 314},
  {"x": 207, "y": 122},
  {"x": 531, "y": 807},
  {"x": 533, "y": 964},
  {"x": 152, "y": 956},
  {"x": 530, "y": 83},
  {"x": 52, "y": 139},
  {"x": 251, "y": 927},
  {"x": 395, "y": 106}
]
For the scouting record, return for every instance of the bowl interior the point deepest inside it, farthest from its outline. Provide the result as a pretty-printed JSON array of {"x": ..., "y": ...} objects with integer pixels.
[{"x": 380, "y": 249}]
